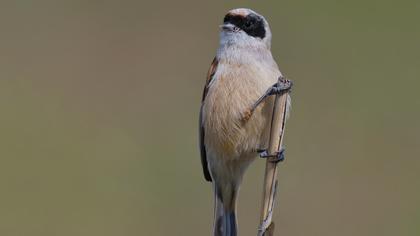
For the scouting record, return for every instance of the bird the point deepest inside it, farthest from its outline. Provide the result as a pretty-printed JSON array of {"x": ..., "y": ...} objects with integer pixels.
[{"x": 236, "y": 109}]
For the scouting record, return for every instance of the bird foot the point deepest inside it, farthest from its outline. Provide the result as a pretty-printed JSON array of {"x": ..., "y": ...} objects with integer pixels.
[{"x": 278, "y": 156}]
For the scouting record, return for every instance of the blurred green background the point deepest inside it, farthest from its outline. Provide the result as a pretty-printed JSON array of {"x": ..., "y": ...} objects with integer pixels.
[{"x": 99, "y": 106}]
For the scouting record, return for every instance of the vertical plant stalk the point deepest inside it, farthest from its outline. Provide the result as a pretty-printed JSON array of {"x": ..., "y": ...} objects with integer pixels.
[{"x": 278, "y": 120}]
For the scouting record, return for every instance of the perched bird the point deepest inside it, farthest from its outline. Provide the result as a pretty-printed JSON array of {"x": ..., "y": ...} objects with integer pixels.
[{"x": 232, "y": 126}]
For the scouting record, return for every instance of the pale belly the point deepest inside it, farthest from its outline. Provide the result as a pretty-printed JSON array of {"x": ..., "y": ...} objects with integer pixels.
[{"x": 231, "y": 94}]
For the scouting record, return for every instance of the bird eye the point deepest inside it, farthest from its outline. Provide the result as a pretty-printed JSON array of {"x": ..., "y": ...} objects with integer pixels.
[
  {"x": 249, "y": 23},
  {"x": 236, "y": 29}
]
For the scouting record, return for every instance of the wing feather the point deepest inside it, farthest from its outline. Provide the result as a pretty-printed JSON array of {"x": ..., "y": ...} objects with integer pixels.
[{"x": 210, "y": 74}]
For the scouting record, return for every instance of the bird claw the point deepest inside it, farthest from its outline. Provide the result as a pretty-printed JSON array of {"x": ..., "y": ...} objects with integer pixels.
[
  {"x": 278, "y": 156},
  {"x": 283, "y": 85}
]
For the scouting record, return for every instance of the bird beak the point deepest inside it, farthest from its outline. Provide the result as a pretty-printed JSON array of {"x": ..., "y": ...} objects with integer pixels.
[{"x": 228, "y": 27}]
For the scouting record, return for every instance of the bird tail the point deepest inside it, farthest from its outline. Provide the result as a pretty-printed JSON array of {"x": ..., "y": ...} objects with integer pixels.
[{"x": 225, "y": 214}]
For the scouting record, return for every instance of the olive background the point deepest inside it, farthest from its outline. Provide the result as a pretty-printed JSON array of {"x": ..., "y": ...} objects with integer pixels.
[{"x": 99, "y": 106}]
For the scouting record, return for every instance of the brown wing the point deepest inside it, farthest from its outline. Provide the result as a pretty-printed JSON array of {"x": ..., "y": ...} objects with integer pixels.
[{"x": 203, "y": 153}]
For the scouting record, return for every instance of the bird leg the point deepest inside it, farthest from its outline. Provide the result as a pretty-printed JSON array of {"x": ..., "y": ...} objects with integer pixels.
[{"x": 282, "y": 86}]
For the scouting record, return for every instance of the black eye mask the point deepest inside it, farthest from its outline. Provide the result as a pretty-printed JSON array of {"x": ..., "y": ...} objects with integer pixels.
[{"x": 252, "y": 24}]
